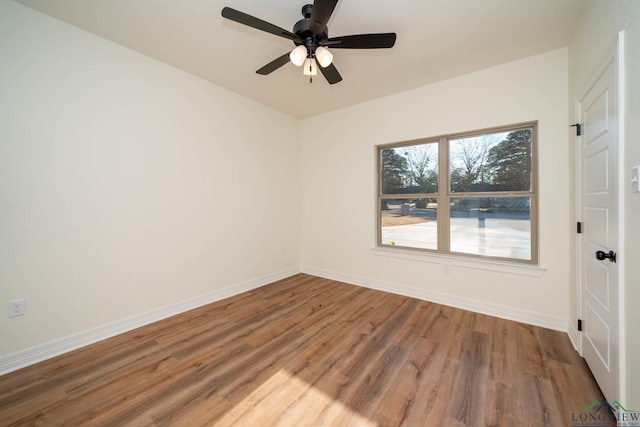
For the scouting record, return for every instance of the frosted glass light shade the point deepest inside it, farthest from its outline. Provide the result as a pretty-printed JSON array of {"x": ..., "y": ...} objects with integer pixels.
[
  {"x": 310, "y": 68},
  {"x": 323, "y": 56},
  {"x": 298, "y": 55}
]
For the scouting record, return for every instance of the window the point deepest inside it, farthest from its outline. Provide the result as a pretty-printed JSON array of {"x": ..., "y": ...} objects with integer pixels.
[{"x": 471, "y": 194}]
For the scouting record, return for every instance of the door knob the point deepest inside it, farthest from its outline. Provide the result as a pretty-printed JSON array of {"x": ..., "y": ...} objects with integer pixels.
[{"x": 602, "y": 256}]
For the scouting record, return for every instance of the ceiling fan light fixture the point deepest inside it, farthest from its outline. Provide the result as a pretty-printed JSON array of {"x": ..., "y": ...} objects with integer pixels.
[
  {"x": 310, "y": 67},
  {"x": 323, "y": 56},
  {"x": 298, "y": 55}
]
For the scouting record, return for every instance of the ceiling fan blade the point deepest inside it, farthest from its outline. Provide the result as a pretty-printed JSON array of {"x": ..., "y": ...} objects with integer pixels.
[
  {"x": 252, "y": 21},
  {"x": 361, "y": 41},
  {"x": 274, "y": 65},
  {"x": 320, "y": 14},
  {"x": 331, "y": 74}
]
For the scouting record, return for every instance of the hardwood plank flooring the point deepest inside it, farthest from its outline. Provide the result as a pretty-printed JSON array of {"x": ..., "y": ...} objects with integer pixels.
[{"x": 306, "y": 351}]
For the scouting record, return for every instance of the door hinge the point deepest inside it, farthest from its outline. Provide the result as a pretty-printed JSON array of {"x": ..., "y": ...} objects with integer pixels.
[
  {"x": 579, "y": 228},
  {"x": 578, "y": 127},
  {"x": 579, "y": 324}
]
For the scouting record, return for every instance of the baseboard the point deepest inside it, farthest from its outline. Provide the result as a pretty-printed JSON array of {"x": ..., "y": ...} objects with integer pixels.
[
  {"x": 21, "y": 359},
  {"x": 574, "y": 337},
  {"x": 39, "y": 353},
  {"x": 504, "y": 312}
]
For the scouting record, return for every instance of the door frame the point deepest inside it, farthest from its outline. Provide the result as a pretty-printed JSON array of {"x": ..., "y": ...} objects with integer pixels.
[{"x": 614, "y": 55}]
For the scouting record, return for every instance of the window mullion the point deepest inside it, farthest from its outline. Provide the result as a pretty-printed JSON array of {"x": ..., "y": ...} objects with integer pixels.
[{"x": 443, "y": 196}]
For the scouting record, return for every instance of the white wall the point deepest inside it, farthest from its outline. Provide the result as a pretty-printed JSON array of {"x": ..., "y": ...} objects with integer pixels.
[
  {"x": 599, "y": 28},
  {"x": 127, "y": 186},
  {"x": 338, "y": 186}
]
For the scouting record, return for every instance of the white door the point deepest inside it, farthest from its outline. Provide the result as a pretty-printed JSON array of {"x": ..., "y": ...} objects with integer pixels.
[{"x": 598, "y": 109}]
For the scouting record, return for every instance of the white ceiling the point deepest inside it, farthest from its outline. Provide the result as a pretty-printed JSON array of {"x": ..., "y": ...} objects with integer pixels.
[{"x": 437, "y": 40}]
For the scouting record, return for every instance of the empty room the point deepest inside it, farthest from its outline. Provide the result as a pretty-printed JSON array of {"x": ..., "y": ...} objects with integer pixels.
[{"x": 306, "y": 213}]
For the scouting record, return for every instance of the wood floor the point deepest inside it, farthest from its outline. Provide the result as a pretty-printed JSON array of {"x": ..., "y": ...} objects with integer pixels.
[{"x": 306, "y": 351}]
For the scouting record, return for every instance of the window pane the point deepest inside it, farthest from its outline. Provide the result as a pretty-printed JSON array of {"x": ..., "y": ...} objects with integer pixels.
[
  {"x": 494, "y": 227},
  {"x": 491, "y": 162},
  {"x": 410, "y": 170},
  {"x": 409, "y": 222}
]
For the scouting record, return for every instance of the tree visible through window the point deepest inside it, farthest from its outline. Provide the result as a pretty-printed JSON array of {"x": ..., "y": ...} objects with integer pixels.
[{"x": 484, "y": 205}]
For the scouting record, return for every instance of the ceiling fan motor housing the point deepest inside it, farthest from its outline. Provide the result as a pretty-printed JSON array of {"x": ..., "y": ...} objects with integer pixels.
[{"x": 302, "y": 28}]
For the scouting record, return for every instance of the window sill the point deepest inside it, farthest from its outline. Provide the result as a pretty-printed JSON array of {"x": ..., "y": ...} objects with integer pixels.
[{"x": 457, "y": 261}]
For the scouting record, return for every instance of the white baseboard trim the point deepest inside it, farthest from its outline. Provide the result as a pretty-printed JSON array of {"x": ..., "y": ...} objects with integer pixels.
[
  {"x": 496, "y": 310},
  {"x": 14, "y": 361},
  {"x": 574, "y": 337}
]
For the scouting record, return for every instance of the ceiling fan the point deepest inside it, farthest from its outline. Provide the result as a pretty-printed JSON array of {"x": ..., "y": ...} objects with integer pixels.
[{"x": 311, "y": 37}]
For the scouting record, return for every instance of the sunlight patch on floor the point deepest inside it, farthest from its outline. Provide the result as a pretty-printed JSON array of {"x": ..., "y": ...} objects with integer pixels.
[{"x": 286, "y": 400}]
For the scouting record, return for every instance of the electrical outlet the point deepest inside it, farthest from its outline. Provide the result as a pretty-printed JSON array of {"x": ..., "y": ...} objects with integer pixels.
[
  {"x": 446, "y": 267},
  {"x": 17, "y": 307}
]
